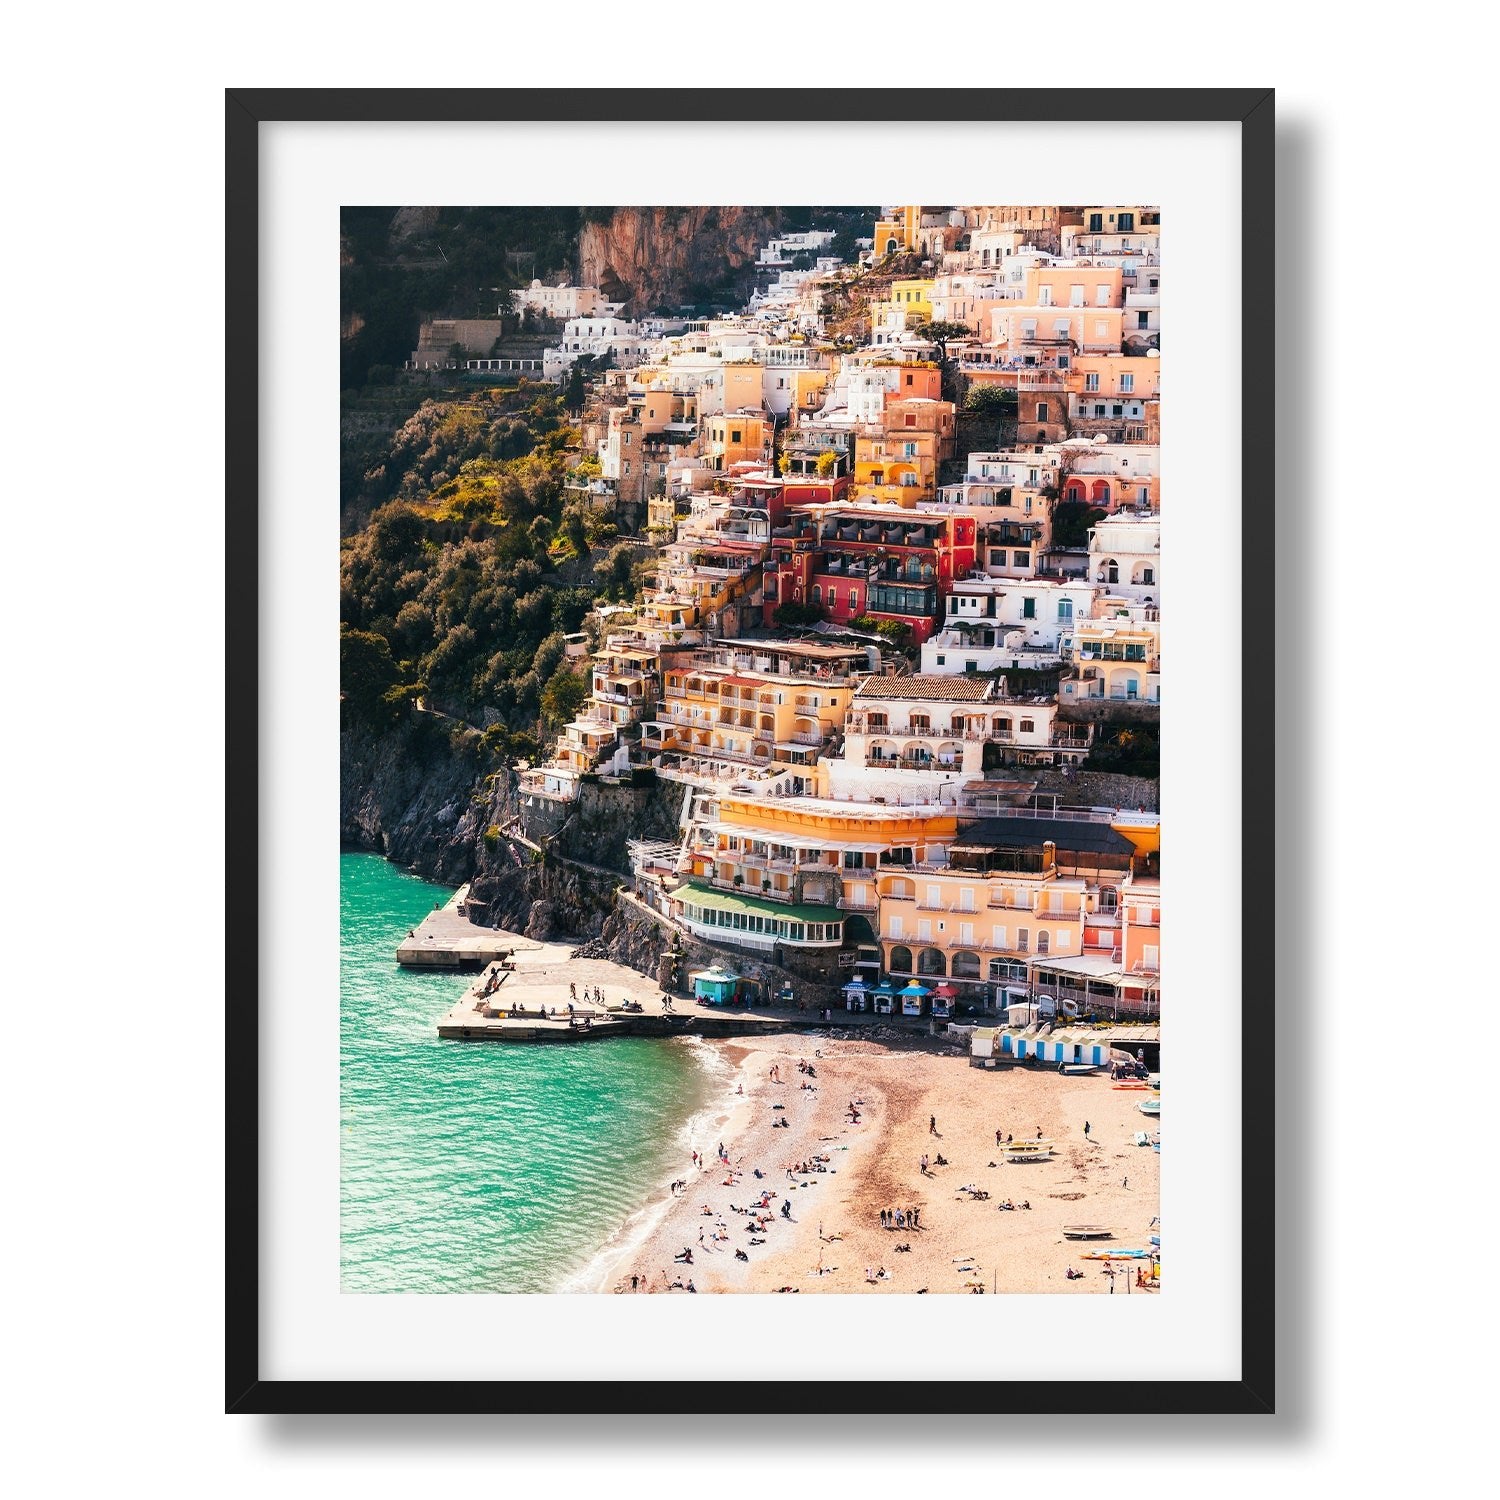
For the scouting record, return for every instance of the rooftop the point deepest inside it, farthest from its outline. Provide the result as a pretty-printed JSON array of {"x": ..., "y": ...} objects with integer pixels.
[
  {"x": 951, "y": 689},
  {"x": 1012, "y": 833}
]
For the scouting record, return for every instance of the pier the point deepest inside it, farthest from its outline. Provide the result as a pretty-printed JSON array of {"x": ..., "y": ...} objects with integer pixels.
[{"x": 447, "y": 939}]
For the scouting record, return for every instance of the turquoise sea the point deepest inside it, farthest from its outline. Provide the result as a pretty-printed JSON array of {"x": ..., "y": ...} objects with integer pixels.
[{"x": 483, "y": 1168}]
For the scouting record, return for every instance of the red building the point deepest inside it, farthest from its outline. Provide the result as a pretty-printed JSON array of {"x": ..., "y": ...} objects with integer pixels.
[{"x": 878, "y": 561}]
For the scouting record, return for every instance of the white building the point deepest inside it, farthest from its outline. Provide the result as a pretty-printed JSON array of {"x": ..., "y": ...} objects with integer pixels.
[
  {"x": 993, "y": 624},
  {"x": 562, "y": 301},
  {"x": 1125, "y": 555}
]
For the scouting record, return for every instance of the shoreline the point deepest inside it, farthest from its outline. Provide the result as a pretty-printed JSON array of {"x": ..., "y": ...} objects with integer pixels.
[{"x": 820, "y": 1230}]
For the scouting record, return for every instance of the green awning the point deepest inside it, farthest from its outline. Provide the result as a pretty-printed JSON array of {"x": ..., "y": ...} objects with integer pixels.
[{"x": 755, "y": 906}]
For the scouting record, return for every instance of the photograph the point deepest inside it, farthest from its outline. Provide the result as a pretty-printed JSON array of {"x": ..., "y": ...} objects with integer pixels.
[{"x": 749, "y": 750}]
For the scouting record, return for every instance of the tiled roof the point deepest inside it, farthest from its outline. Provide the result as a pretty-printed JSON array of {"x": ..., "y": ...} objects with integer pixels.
[{"x": 953, "y": 689}]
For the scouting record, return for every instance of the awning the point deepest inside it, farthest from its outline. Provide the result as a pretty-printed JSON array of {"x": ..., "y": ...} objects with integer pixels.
[
  {"x": 946, "y": 990},
  {"x": 711, "y": 900}
]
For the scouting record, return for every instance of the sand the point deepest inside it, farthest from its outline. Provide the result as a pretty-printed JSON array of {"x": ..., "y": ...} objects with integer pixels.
[{"x": 834, "y": 1235}]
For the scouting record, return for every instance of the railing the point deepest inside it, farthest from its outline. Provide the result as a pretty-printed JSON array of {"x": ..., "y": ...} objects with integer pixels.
[{"x": 855, "y": 903}]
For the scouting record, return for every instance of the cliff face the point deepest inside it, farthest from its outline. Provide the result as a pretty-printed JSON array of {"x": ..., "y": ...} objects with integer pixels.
[{"x": 649, "y": 257}]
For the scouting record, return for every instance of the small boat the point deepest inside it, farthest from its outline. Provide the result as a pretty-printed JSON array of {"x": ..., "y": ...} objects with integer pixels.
[
  {"x": 1114, "y": 1254},
  {"x": 1137, "y": 1084},
  {"x": 1149, "y": 1106},
  {"x": 1086, "y": 1232},
  {"x": 1077, "y": 1070},
  {"x": 1029, "y": 1151}
]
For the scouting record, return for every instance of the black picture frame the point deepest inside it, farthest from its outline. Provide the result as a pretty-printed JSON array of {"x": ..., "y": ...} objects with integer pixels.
[{"x": 245, "y": 111}]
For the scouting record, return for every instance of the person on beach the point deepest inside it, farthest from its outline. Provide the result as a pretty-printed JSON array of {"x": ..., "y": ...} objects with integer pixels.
[
  {"x": 931, "y": 1124},
  {"x": 882, "y": 1219},
  {"x": 1039, "y": 1132},
  {"x": 1008, "y": 1138},
  {"x": 1085, "y": 1127},
  {"x": 572, "y": 992}
]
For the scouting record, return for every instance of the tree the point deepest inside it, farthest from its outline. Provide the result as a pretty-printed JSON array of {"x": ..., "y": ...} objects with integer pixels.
[
  {"x": 1071, "y": 520},
  {"x": 990, "y": 400},
  {"x": 940, "y": 332},
  {"x": 564, "y": 695},
  {"x": 366, "y": 674},
  {"x": 827, "y": 463},
  {"x": 794, "y": 613}
]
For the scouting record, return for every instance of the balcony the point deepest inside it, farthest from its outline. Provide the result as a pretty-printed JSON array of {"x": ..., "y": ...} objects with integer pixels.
[{"x": 855, "y": 903}]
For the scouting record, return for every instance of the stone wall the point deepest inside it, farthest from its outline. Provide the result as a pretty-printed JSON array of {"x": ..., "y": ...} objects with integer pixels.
[{"x": 1097, "y": 788}]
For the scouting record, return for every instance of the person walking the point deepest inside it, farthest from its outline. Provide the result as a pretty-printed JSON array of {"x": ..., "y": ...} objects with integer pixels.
[
  {"x": 931, "y": 1124},
  {"x": 1085, "y": 1127}
]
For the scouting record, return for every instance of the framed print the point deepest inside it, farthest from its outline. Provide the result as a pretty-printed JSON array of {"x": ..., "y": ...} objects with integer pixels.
[{"x": 711, "y": 553}]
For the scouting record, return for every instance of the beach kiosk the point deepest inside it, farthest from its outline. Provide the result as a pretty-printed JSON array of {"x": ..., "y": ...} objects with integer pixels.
[
  {"x": 883, "y": 997},
  {"x": 942, "y": 999},
  {"x": 714, "y": 986},
  {"x": 912, "y": 997},
  {"x": 856, "y": 996}
]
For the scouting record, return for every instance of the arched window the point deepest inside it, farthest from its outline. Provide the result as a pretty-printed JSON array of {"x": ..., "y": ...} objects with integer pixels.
[
  {"x": 900, "y": 960},
  {"x": 1109, "y": 571},
  {"x": 1101, "y": 492},
  {"x": 901, "y": 887},
  {"x": 1043, "y": 941},
  {"x": 817, "y": 593},
  {"x": 966, "y": 966},
  {"x": 931, "y": 961},
  {"x": 1075, "y": 491}
]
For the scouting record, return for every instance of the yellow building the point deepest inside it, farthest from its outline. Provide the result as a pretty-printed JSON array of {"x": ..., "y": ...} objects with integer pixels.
[
  {"x": 901, "y": 468},
  {"x": 898, "y": 232},
  {"x": 816, "y": 849},
  {"x": 735, "y": 437},
  {"x": 716, "y": 710},
  {"x": 1013, "y": 891},
  {"x": 914, "y": 298}
]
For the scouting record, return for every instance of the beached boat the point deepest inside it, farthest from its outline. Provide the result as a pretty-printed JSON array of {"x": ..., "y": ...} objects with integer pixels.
[
  {"x": 1077, "y": 1070},
  {"x": 1086, "y": 1232},
  {"x": 1029, "y": 1151},
  {"x": 1149, "y": 1106},
  {"x": 1113, "y": 1254}
]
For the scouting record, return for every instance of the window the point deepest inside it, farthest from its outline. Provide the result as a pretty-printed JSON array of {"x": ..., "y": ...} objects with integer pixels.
[
  {"x": 1101, "y": 328},
  {"x": 1101, "y": 296},
  {"x": 1127, "y": 384},
  {"x": 942, "y": 660},
  {"x": 627, "y": 439},
  {"x": 1064, "y": 940},
  {"x": 1044, "y": 297},
  {"x": 1028, "y": 726},
  {"x": 895, "y": 925},
  {"x": 1023, "y": 940},
  {"x": 1041, "y": 411},
  {"x": 1143, "y": 319},
  {"x": 1075, "y": 296},
  {"x": 1096, "y": 223},
  {"x": 924, "y": 929},
  {"x": 1125, "y": 223},
  {"x": 971, "y": 666},
  {"x": 1028, "y": 609},
  {"x": 1148, "y": 575},
  {"x": 1043, "y": 942},
  {"x": 734, "y": 435},
  {"x": 627, "y": 465},
  {"x": 1091, "y": 381},
  {"x": 910, "y": 380},
  {"x": 999, "y": 938},
  {"x": 1021, "y": 559}
]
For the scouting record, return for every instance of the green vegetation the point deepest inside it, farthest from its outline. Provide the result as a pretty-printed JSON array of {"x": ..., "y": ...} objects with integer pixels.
[
  {"x": 990, "y": 400},
  {"x": 793, "y": 613},
  {"x": 1071, "y": 520},
  {"x": 1133, "y": 750},
  {"x": 462, "y": 585}
]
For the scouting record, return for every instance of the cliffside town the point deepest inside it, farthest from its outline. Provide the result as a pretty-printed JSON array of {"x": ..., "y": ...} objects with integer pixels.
[{"x": 899, "y": 637}]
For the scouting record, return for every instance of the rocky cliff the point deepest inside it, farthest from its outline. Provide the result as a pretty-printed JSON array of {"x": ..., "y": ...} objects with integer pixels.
[
  {"x": 549, "y": 870},
  {"x": 651, "y": 257}
]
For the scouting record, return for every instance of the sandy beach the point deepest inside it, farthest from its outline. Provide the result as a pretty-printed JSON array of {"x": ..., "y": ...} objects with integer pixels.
[{"x": 819, "y": 1229}]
